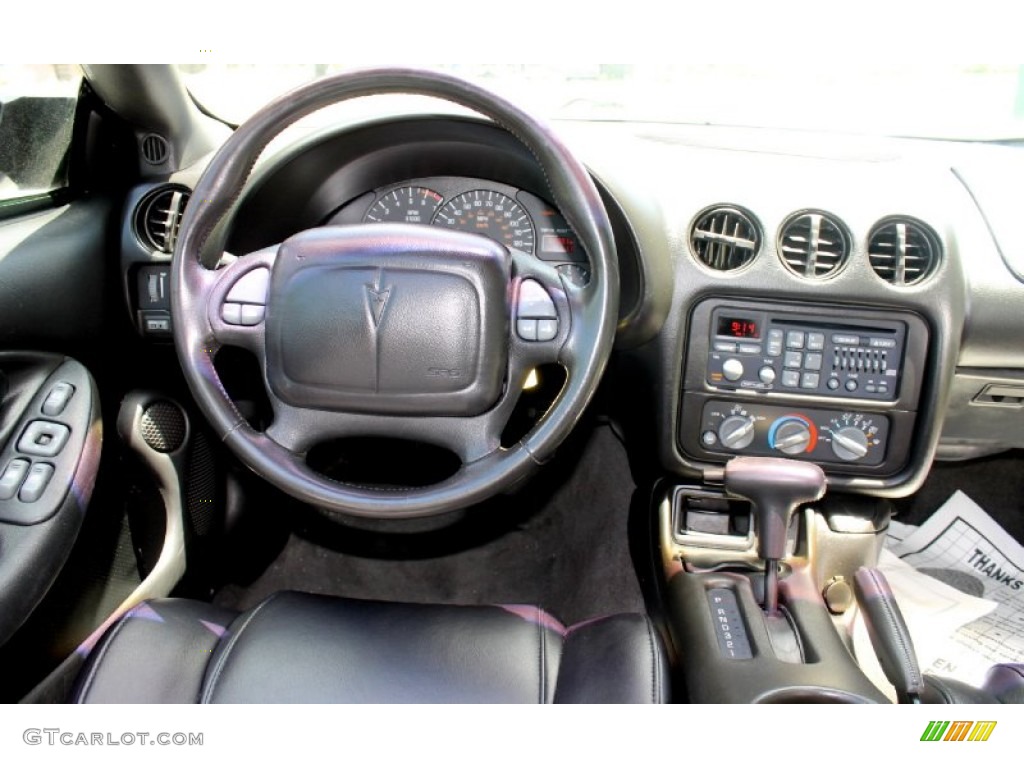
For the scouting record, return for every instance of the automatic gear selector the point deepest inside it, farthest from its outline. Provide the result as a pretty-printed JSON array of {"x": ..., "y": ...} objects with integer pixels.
[{"x": 776, "y": 487}]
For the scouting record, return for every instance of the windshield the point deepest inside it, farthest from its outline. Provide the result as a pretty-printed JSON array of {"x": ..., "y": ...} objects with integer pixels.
[{"x": 978, "y": 102}]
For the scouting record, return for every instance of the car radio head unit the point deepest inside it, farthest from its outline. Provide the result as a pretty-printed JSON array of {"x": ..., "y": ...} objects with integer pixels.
[{"x": 773, "y": 351}]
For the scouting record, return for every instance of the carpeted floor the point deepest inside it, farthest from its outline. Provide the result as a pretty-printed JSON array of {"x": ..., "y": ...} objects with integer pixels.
[
  {"x": 561, "y": 543},
  {"x": 995, "y": 483}
]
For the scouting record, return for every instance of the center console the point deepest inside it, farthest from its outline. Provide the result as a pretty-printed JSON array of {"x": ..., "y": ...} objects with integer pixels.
[{"x": 759, "y": 566}]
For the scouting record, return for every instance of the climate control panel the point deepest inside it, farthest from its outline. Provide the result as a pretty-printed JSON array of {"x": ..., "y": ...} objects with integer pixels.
[{"x": 823, "y": 435}]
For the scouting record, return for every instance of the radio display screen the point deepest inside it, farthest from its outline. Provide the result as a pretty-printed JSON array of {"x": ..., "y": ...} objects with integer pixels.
[{"x": 738, "y": 327}]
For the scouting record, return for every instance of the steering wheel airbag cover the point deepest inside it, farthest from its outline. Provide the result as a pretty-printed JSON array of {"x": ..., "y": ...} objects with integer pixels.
[{"x": 388, "y": 319}]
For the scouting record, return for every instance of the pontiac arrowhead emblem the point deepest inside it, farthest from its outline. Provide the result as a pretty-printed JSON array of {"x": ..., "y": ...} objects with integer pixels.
[{"x": 377, "y": 298}]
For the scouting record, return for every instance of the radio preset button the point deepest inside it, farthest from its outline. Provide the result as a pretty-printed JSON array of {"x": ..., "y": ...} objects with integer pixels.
[
  {"x": 812, "y": 360},
  {"x": 815, "y": 341},
  {"x": 809, "y": 381},
  {"x": 791, "y": 378},
  {"x": 794, "y": 359},
  {"x": 795, "y": 340}
]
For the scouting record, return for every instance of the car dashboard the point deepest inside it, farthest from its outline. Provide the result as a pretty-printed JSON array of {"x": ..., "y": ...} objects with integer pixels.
[{"x": 841, "y": 300}]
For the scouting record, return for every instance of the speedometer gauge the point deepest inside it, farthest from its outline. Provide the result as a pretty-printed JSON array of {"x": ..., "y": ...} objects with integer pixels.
[
  {"x": 411, "y": 205},
  {"x": 489, "y": 213}
]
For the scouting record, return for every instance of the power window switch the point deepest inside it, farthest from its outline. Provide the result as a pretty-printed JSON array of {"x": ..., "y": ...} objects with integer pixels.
[
  {"x": 43, "y": 438},
  {"x": 57, "y": 400},
  {"x": 12, "y": 477},
  {"x": 36, "y": 482}
]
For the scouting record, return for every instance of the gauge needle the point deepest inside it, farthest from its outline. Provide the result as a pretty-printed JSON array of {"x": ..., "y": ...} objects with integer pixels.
[
  {"x": 853, "y": 446},
  {"x": 739, "y": 432}
]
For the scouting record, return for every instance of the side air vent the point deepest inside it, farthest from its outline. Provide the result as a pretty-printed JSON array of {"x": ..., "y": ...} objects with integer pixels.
[
  {"x": 725, "y": 238},
  {"x": 903, "y": 251},
  {"x": 155, "y": 149},
  {"x": 158, "y": 217},
  {"x": 813, "y": 244}
]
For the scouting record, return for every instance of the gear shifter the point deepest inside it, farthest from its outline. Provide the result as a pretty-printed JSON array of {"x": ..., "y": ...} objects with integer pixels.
[{"x": 776, "y": 487}]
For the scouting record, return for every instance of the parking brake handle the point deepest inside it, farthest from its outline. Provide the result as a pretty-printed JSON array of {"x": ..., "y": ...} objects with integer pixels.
[
  {"x": 776, "y": 487},
  {"x": 889, "y": 634}
]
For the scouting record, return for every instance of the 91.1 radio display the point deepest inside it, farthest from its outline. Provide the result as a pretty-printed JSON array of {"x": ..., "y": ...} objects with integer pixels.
[{"x": 738, "y": 328}]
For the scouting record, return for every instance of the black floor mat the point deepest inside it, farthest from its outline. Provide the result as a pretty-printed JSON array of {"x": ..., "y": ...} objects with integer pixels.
[
  {"x": 996, "y": 484},
  {"x": 560, "y": 543}
]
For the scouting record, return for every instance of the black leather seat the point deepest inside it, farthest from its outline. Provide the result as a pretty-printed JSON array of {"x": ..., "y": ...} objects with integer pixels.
[
  {"x": 1004, "y": 684},
  {"x": 297, "y": 647}
]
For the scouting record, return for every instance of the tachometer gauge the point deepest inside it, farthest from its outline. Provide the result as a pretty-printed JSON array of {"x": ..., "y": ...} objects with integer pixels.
[
  {"x": 490, "y": 213},
  {"x": 411, "y": 205}
]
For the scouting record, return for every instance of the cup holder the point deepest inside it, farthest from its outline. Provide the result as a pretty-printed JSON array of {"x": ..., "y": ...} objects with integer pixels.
[{"x": 810, "y": 694}]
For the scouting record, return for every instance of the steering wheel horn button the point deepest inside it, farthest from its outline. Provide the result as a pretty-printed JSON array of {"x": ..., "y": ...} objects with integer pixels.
[
  {"x": 43, "y": 438},
  {"x": 388, "y": 318}
]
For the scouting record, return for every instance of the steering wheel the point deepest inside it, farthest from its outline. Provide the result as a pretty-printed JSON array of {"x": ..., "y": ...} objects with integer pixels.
[{"x": 392, "y": 330}]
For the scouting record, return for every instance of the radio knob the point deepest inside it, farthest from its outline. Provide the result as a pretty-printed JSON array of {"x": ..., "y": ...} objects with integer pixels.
[
  {"x": 767, "y": 374},
  {"x": 736, "y": 432},
  {"x": 849, "y": 444},
  {"x": 732, "y": 369}
]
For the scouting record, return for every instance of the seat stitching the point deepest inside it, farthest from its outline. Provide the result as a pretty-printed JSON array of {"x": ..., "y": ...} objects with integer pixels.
[
  {"x": 655, "y": 688},
  {"x": 208, "y": 693},
  {"x": 542, "y": 655},
  {"x": 121, "y": 623}
]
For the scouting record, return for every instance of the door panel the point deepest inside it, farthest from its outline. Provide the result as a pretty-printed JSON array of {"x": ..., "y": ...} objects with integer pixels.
[{"x": 52, "y": 289}]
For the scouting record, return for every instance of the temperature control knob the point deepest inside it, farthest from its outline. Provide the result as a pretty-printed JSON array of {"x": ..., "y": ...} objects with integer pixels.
[
  {"x": 790, "y": 435},
  {"x": 736, "y": 432},
  {"x": 849, "y": 444}
]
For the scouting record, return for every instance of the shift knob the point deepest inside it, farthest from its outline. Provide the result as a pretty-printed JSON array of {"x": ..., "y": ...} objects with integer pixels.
[{"x": 776, "y": 487}]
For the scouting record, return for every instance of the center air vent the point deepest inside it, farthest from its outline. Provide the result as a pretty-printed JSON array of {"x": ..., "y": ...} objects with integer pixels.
[
  {"x": 724, "y": 238},
  {"x": 903, "y": 251},
  {"x": 158, "y": 217},
  {"x": 813, "y": 244}
]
